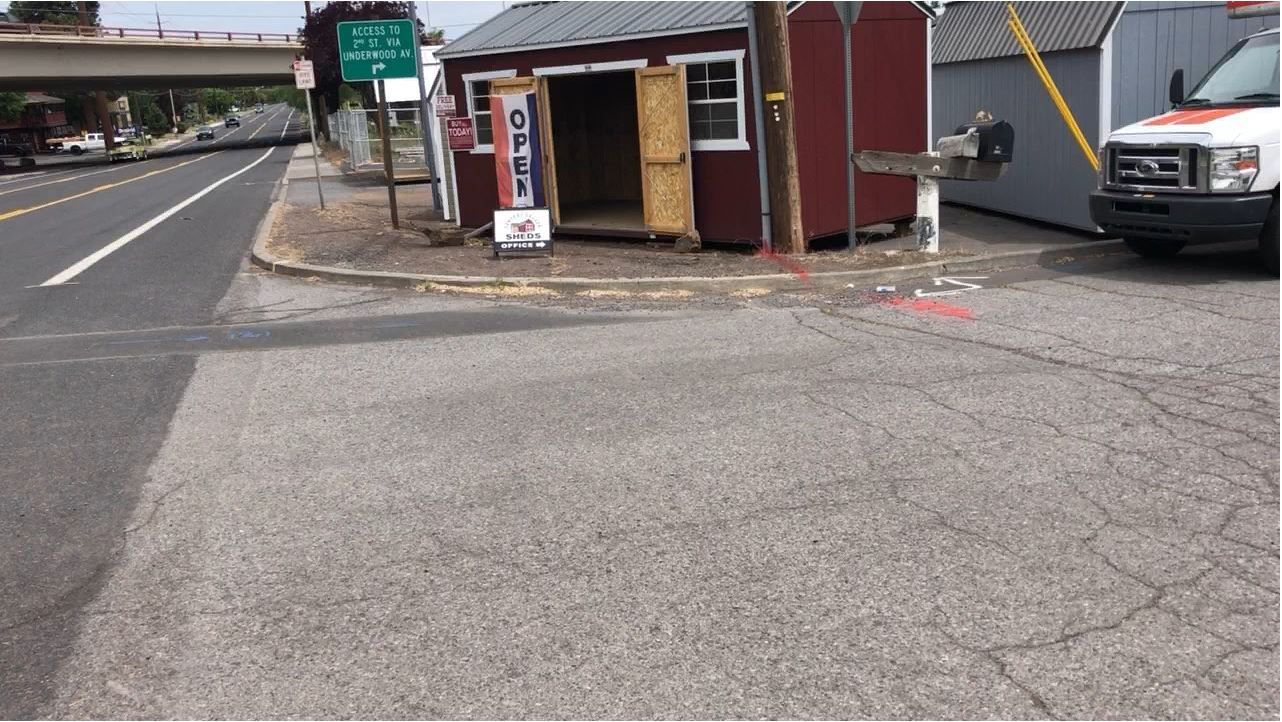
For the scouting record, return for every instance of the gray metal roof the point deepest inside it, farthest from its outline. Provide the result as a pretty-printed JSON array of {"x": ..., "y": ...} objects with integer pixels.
[
  {"x": 977, "y": 30},
  {"x": 526, "y": 26},
  {"x": 570, "y": 21}
]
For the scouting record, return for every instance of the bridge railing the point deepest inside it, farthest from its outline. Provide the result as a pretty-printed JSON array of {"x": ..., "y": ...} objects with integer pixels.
[{"x": 95, "y": 31}]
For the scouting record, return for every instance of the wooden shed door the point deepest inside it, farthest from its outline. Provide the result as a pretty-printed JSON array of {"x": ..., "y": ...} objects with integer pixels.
[
  {"x": 516, "y": 86},
  {"x": 664, "y": 125}
]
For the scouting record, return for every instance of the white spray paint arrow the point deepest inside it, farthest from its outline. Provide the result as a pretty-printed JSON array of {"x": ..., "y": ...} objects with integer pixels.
[{"x": 954, "y": 280}]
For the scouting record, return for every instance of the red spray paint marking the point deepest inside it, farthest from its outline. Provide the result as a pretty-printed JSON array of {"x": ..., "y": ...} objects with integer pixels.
[
  {"x": 785, "y": 263},
  {"x": 927, "y": 305}
]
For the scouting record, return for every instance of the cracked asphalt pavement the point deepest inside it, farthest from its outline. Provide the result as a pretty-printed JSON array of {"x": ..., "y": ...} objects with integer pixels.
[{"x": 1055, "y": 496}]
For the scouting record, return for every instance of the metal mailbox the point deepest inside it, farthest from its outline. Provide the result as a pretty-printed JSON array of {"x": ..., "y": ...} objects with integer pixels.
[{"x": 995, "y": 140}]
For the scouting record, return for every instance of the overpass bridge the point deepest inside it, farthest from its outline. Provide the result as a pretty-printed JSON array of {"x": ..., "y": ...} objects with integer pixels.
[{"x": 70, "y": 57}]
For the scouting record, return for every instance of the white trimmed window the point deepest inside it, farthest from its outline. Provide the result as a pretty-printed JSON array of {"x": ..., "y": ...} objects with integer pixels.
[
  {"x": 477, "y": 88},
  {"x": 714, "y": 94}
]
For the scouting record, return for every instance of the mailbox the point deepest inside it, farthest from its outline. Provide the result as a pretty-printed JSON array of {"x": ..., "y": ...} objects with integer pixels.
[{"x": 996, "y": 140}]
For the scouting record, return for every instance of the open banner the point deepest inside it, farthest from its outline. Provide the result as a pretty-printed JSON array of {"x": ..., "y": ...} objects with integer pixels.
[{"x": 517, "y": 150}]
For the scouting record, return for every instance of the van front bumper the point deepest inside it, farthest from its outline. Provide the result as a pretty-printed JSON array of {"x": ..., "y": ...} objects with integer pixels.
[{"x": 1176, "y": 217}]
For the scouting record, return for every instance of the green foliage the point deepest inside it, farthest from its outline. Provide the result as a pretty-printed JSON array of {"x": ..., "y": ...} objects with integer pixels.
[
  {"x": 11, "y": 105},
  {"x": 59, "y": 12},
  {"x": 434, "y": 37},
  {"x": 155, "y": 120},
  {"x": 217, "y": 100},
  {"x": 295, "y": 98}
]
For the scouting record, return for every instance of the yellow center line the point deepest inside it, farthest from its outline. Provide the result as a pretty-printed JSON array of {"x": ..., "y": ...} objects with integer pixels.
[
  {"x": 23, "y": 211},
  {"x": 63, "y": 180}
]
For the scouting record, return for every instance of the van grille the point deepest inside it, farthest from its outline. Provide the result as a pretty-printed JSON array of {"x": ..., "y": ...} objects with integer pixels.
[{"x": 1162, "y": 169}]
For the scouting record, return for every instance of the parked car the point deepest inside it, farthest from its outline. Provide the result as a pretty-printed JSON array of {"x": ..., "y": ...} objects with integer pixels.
[
  {"x": 18, "y": 149},
  {"x": 205, "y": 133},
  {"x": 133, "y": 150},
  {"x": 231, "y": 121},
  {"x": 89, "y": 142},
  {"x": 1207, "y": 171}
]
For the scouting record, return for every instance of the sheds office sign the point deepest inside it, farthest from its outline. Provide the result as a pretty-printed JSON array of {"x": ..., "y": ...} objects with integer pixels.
[
  {"x": 523, "y": 230},
  {"x": 517, "y": 159}
]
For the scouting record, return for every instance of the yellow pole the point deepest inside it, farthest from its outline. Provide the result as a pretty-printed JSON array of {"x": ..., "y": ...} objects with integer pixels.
[{"x": 1026, "y": 42}]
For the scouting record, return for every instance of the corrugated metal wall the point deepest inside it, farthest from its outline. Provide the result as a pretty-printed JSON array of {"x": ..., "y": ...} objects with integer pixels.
[
  {"x": 1049, "y": 179},
  {"x": 1154, "y": 38}
]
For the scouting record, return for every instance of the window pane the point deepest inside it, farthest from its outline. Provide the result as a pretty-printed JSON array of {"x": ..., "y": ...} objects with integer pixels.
[
  {"x": 697, "y": 71},
  {"x": 721, "y": 70},
  {"x": 696, "y": 91},
  {"x": 722, "y": 89},
  {"x": 480, "y": 94},
  {"x": 700, "y": 113},
  {"x": 484, "y": 129},
  {"x": 723, "y": 130},
  {"x": 723, "y": 111},
  {"x": 699, "y": 131}
]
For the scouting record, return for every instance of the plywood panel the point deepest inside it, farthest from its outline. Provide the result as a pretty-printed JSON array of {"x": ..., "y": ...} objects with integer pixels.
[{"x": 665, "y": 149}]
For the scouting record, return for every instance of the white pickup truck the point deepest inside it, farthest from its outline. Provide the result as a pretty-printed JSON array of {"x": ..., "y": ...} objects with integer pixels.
[
  {"x": 89, "y": 142},
  {"x": 1207, "y": 171}
]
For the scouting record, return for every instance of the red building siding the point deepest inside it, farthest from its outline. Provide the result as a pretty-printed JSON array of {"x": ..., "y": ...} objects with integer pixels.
[
  {"x": 726, "y": 196},
  {"x": 888, "y": 52}
]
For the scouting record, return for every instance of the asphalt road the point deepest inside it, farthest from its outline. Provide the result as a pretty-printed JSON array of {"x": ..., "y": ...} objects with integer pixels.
[
  {"x": 1052, "y": 493},
  {"x": 78, "y": 437}
]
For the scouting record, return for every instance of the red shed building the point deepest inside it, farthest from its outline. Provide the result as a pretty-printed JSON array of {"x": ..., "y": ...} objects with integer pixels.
[{"x": 618, "y": 83}]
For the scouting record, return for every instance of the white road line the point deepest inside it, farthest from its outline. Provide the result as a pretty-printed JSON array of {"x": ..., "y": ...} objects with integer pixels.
[
  {"x": 287, "y": 119},
  {"x": 85, "y": 263},
  {"x": 72, "y": 178}
]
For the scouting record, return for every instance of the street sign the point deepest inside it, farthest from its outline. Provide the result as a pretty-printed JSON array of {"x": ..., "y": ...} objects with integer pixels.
[
  {"x": 522, "y": 230},
  {"x": 304, "y": 75},
  {"x": 376, "y": 50},
  {"x": 459, "y": 133},
  {"x": 445, "y": 106}
]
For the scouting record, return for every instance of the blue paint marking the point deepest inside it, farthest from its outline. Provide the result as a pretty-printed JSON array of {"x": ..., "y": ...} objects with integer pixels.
[{"x": 247, "y": 333}]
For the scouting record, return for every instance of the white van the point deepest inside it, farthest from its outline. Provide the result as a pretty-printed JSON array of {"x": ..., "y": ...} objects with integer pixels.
[{"x": 1207, "y": 171}]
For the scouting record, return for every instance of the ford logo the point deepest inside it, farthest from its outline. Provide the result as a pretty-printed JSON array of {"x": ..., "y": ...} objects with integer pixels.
[{"x": 1147, "y": 167}]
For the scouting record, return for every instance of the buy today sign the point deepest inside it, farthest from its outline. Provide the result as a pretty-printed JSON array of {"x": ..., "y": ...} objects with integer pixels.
[{"x": 376, "y": 50}]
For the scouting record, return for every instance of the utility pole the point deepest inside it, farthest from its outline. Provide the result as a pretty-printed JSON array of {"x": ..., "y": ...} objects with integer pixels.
[
  {"x": 100, "y": 98},
  {"x": 425, "y": 118},
  {"x": 780, "y": 137},
  {"x": 173, "y": 111}
]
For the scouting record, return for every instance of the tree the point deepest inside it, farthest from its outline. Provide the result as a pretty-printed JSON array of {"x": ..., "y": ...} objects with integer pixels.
[
  {"x": 217, "y": 100},
  {"x": 320, "y": 41},
  {"x": 59, "y": 12},
  {"x": 434, "y": 37},
  {"x": 11, "y": 105}
]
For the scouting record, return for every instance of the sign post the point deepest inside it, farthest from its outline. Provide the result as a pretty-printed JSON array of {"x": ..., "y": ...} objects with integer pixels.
[
  {"x": 305, "y": 78},
  {"x": 425, "y": 120},
  {"x": 375, "y": 50}
]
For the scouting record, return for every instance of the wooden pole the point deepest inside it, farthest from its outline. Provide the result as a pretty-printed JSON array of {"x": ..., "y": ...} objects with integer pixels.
[
  {"x": 387, "y": 154},
  {"x": 781, "y": 138}
]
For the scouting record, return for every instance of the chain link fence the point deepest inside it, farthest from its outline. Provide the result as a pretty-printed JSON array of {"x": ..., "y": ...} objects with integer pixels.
[{"x": 357, "y": 132}]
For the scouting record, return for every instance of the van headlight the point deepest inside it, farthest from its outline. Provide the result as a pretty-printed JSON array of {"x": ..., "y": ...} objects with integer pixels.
[{"x": 1233, "y": 169}]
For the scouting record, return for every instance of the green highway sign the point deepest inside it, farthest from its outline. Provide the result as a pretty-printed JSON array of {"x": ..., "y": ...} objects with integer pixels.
[{"x": 376, "y": 49}]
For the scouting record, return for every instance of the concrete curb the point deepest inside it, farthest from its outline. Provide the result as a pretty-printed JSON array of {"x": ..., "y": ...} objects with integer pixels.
[{"x": 266, "y": 260}]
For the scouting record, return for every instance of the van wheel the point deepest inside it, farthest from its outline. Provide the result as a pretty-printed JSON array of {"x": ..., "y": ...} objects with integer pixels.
[
  {"x": 1154, "y": 247},
  {"x": 1269, "y": 239},
  {"x": 76, "y": 150}
]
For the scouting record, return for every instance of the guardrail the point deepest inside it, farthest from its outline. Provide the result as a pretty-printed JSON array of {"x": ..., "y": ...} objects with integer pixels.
[{"x": 95, "y": 31}]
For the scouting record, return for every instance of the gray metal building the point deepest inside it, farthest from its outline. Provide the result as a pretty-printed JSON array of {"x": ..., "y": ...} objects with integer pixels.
[{"x": 1112, "y": 61}]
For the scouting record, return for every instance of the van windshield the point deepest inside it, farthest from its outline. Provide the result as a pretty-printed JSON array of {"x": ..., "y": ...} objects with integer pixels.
[{"x": 1247, "y": 74}]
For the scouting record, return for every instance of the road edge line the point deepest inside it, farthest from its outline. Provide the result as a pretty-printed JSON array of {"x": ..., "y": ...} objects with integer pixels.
[{"x": 88, "y": 262}]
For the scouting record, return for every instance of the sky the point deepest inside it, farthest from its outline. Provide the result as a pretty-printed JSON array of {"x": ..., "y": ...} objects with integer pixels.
[{"x": 273, "y": 16}]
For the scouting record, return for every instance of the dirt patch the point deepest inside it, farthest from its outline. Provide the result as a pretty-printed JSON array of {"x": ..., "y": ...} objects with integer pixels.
[{"x": 357, "y": 234}]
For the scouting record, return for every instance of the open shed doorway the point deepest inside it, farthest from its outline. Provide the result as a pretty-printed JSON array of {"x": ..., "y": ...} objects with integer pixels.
[{"x": 597, "y": 151}]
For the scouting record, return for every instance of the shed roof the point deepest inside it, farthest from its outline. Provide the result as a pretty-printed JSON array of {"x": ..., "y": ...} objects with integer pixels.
[
  {"x": 977, "y": 30},
  {"x": 533, "y": 25}
]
